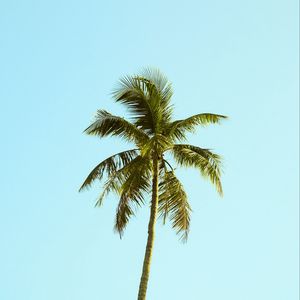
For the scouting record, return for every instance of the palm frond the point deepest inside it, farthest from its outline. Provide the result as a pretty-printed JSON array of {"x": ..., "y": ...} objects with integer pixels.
[
  {"x": 159, "y": 83},
  {"x": 177, "y": 129},
  {"x": 107, "y": 124},
  {"x": 133, "y": 93},
  {"x": 113, "y": 184},
  {"x": 116, "y": 179},
  {"x": 173, "y": 204},
  {"x": 155, "y": 76},
  {"x": 132, "y": 192},
  {"x": 110, "y": 165},
  {"x": 204, "y": 160},
  {"x": 123, "y": 214},
  {"x": 147, "y": 97}
]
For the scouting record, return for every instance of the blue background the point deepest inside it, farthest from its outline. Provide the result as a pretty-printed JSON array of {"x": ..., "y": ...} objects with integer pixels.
[{"x": 59, "y": 63}]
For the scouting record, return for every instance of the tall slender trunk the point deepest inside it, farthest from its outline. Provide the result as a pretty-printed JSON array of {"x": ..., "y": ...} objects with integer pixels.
[{"x": 151, "y": 232}]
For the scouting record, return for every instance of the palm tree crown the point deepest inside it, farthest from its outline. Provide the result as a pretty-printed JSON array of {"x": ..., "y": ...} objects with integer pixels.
[
  {"x": 134, "y": 173},
  {"x": 147, "y": 98}
]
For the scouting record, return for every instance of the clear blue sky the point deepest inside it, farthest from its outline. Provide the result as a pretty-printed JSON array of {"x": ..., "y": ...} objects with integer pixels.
[{"x": 59, "y": 62}]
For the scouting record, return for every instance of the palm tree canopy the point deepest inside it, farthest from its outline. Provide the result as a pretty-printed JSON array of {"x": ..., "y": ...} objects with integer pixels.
[{"x": 147, "y": 98}]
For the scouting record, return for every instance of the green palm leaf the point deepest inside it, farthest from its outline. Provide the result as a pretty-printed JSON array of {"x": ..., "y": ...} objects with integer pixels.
[
  {"x": 117, "y": 179},
  {"x": 147, "y": 98},
  {"x": 107, "y": 124},
  {"x": 132, "y": 191},
  {"x": 177, "y": 129},
  {"x": 173, "y": 203},
  {"x": 162, "y": 92},
  {"x": 110, "y": 165},
  {"x": 133, "y": 93},
  {"x": 204, "y": 160}
]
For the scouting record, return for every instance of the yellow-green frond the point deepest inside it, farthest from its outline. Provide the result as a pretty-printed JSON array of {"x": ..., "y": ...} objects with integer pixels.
[
  {"x": 159, "y": 83},
  {"x": 132, "y": 191},
  {"x": 147, "y": 97},
  {"x": 173, "y": 204},
  {"x": 109, "y": 165},
  {"x": 132, "y": 92},
  {"x": 177, "y": 130},
  {"x": 204, "y": 160},
  {"x": 107, "y": 124},
  {"x": 123, "y": 214}
]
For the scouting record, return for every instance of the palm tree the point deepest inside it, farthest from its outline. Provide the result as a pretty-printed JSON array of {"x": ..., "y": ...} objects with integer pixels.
[{"x": 144, "y": 170}]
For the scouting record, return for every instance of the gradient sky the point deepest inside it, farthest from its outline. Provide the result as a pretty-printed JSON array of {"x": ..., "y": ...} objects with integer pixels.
[{"x": 60, "y": 61}]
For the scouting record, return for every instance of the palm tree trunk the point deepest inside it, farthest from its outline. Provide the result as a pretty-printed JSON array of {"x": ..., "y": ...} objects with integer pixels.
[{"x": 151, "y": 231}]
